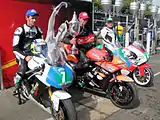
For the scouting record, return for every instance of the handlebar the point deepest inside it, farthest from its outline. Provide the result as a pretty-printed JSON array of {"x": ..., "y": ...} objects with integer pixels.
[{"x": 36, "y": 69}]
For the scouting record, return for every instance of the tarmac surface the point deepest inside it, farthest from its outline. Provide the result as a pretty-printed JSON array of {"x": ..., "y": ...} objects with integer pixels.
[{"x": 90, "y": 107}]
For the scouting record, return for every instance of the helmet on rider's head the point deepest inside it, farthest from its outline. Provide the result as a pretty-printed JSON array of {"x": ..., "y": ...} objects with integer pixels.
[
  {"x": 32, "y": 12},
  {"x": 39, "y": 46},
  {"x": 74, "y": 26},
  {"x": 83, "y": 15},
  {"x": 109, "y": 19}
]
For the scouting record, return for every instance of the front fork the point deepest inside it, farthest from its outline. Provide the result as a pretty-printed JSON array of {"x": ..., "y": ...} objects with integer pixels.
[
  {"x": 50, "y": 93},
  {"x": 56, "y": 96},
  {"x": 141, "y": 69}
]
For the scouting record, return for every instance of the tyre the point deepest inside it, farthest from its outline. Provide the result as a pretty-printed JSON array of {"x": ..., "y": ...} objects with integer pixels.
[
  {"x": 66, "y": 111},
  {"x": 146, "y": 80},
  {"x": 123, "y": 94}
]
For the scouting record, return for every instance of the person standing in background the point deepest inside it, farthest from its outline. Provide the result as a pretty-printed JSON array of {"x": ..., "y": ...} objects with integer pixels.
[{"x": 119, "y": 31}]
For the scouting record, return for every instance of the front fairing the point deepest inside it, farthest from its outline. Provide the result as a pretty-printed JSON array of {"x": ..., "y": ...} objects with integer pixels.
[
  {"x": 141, "y": 55},
  {"x": 100, "y": 46},
  {"x": 59, "y": 74},
  {"x": 146, "y": 55},
  {"x": 120, "y": 54},
  {"x": 139, "y": 46},
  {"x": 60, "y": 77}
]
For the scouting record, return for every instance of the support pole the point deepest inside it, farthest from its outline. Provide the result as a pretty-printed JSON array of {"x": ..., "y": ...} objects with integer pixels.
[
  {"x": 127, "y": 34},
  {"x": 148, "y": 38},
  {"x": 1, "y": 78},
  {"x": 127, "y": 39},
  {"x": 135, "y": 27},
  {"x": 148, "y": 42},
  {"x": 92, "y": 15},
  {"x": 154, "y": 41}
]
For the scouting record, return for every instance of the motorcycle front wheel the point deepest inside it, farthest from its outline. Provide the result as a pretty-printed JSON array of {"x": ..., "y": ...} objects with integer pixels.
[
  {"x": 146, "y": 80},
  {"x": 66, "y": 111},
  {"x": 123, "y": 95}
]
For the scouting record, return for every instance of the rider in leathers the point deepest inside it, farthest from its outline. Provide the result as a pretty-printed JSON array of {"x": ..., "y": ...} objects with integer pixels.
[
  {"x": 108, "y": 34},
  {"x": 23, "y": 37}
]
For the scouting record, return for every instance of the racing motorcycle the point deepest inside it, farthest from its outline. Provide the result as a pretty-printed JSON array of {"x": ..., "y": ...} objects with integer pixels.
[
  {"x": 103, "y": 76},
  {"x": 49, "y": 75},
  {"x": 143, "y": 74},
  {"x": 139, "y": 70}
]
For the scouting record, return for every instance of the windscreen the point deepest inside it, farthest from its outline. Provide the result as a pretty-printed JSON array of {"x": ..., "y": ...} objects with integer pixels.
[{"x": 139, "y": 45}]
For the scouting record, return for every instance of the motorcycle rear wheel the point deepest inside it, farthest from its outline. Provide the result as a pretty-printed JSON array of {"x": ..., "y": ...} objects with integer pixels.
[
  {"x": 123, "y": 95},
  {"x": 146, "y": 80},
  {"x": 66, "y": 111}
]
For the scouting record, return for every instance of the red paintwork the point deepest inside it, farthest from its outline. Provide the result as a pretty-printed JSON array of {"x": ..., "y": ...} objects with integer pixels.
[
  {"x": 142, "y": 50},
  {"x": 85, "y": 40},
  {"x": 97, "y": 54},
  {"x": 100, "y": 55},
  {"x": 108, "y": 66},
  {"x": 142, "y": 67},
  {"x": 72, "y": 58},
  {"x": 80, "y": 40},
  {"x": 13, "y": 15},
  {"x": 67, "y": 47},
  {"x": 133, "y": 67},
  {"x": 8, "y": 74}
]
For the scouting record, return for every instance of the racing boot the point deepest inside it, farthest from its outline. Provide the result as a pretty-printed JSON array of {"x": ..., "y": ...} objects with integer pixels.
[{"x": 17, "y": 80}]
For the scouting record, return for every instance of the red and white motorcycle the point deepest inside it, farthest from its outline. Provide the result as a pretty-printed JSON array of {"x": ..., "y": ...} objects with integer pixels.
[{"x": 143, "y": 74}]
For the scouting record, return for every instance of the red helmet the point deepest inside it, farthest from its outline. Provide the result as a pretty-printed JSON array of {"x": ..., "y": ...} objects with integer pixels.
[{"x": 83, "y": 15}]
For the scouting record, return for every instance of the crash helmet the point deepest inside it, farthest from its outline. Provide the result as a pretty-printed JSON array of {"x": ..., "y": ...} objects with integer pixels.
[
  {"x": 39, "y": 46},
  {"x": 83, "y": 15},
  {"x": 109, "y": 19}
]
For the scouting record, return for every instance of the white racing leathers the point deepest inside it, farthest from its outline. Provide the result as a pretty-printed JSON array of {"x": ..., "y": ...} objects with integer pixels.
[
  {"x": 109, "y": 38},
  {"x": 23, "y": 36}
]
